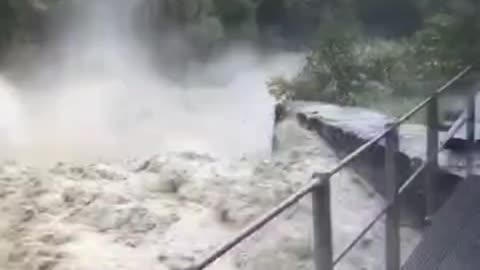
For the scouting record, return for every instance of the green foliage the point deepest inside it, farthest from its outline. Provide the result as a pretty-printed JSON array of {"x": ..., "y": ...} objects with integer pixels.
[
  {"x": 22, "y": 19},
  {"x": 234, "y": 13},
  {"x": 281, "y": 88},
  {"x": 346, "y": 64},
  {"x": 342, "y": 68},
  {"x": 7, "y": 20},
  {"x": 351, "y": 67},
  {"x": 335, "y": 58},
  {"x": 330, "y": 73},
  {"x": 447, "y": 44}
]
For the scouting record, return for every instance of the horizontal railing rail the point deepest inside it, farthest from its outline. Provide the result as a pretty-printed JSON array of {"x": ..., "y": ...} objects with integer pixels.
[{"x": 319, "y": 187}]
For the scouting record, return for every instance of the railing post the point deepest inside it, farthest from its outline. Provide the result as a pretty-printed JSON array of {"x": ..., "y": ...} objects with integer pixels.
[
  {"x": 322, "y": 224},
  {"x": 392, "y": 233},
  {"x": 470, "y": 127},
  {"x": 432, "y": 158}
]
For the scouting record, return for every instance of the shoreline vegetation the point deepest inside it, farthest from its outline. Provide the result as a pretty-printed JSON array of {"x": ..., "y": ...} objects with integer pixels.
[{"x": 384, "y": 54}]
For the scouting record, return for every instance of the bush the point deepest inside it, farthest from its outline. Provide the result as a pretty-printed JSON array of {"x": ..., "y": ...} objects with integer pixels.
[
  {"x": 447, "y": 44},
  {"x": 348, "y": 67},
  {"x": 339, "y": 70}
]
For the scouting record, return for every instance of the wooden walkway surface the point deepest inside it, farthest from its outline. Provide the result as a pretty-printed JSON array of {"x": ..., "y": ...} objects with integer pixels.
[{"x": 453, "y": 240}]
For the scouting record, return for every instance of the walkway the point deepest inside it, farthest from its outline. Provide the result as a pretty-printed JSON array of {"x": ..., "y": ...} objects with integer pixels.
[{"x": 453, "y": 243}]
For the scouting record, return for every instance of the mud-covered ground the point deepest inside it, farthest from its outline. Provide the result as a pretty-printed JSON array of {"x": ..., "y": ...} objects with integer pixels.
[{"x": 169, "y": 211}]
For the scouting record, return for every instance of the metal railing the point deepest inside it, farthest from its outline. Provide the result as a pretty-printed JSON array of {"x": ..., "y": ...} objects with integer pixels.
[{"x": 319, "y": 187}]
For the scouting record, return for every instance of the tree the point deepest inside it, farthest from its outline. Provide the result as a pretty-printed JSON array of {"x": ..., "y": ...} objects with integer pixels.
[{"x": 389, "y": 17}]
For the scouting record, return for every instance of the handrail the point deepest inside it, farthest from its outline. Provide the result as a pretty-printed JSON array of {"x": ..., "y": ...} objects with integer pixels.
[
  {"x": 345, "y": 161},
  {"x": 259, "y": 223},
  {"x": 454, "y": 128},
  {"x": 317, "y": 179},
  {"x": 450, "y": 133}
]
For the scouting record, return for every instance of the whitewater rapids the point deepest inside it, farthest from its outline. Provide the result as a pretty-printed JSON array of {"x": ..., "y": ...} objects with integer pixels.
[{"x": 169, "y": 211}]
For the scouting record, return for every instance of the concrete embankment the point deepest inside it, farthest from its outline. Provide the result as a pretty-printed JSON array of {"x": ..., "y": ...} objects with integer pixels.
[{"x": 347, "y": 128}]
